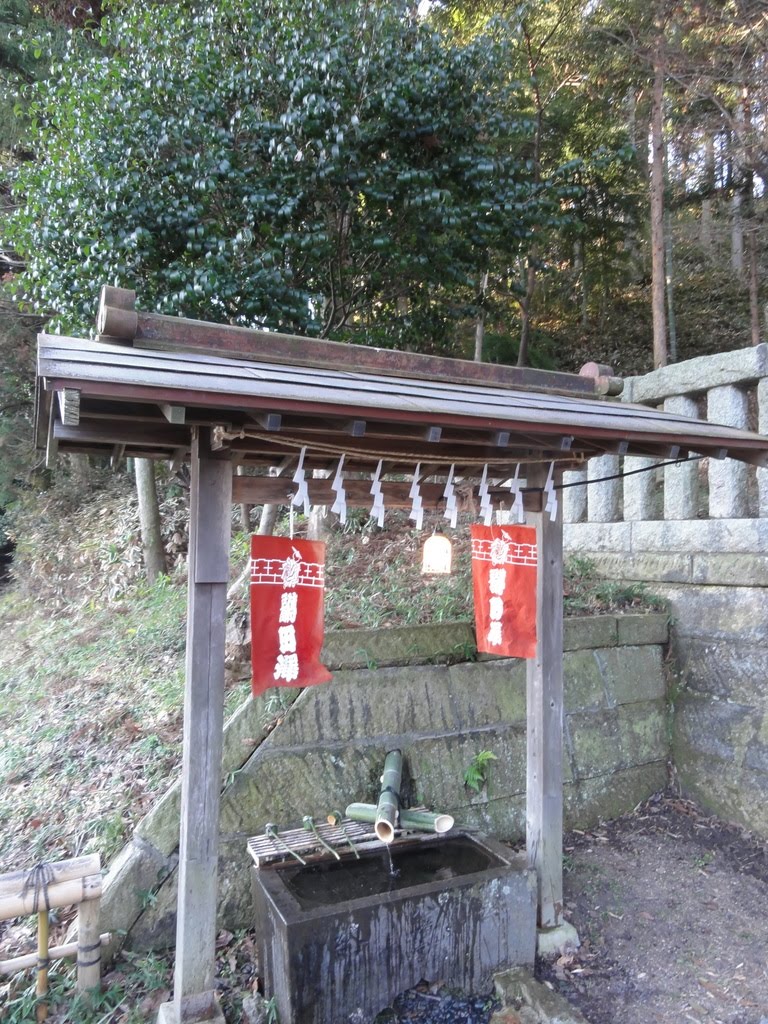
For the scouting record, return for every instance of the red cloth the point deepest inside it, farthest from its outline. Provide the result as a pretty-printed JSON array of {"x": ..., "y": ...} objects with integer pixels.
[
  {"x": 287, "y": 588},
  {"x": 504, "y": 567}
]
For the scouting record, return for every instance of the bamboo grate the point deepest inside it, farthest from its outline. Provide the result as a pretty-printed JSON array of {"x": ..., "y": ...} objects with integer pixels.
[{"x": 266, "y": 850}]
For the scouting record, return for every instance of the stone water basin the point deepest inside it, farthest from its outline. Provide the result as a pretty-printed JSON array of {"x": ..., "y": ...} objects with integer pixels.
[{"x": 339, "y": 940}]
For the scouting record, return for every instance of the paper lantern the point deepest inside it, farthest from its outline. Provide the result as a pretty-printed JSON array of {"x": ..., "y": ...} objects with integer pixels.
[{"x": 437, "y": 555}]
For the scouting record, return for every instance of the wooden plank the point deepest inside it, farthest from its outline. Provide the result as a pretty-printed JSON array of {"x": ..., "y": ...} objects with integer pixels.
[
  {"x": 578, "y": 418},
  {"x": 107, "y": 432},
  {"x": 544, "y": 774},
  {"x": 263, "y": 490},
  {"x": 155, "y": 330},
  {"x": 52, "y": 444},
  {"x": 210, "y": 525},
  {"x": 192, "y": 366},
  {"x": 750, "y": 447},
  {"x": 331, "y": 384},
  {"x": 698, "y": 436}
]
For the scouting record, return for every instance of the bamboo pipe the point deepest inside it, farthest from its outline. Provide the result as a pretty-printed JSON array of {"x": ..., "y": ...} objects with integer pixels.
[
  {"x": 417, "y": 821},
  {"x": 23, "y": 963},
  {"x": 41, "y": 986},
  {"x": 12, "y": 883},
  {"x": 88, "y": 946},
  {"x": 62, "y": 894},
  {"x": 389, "y": 797}
]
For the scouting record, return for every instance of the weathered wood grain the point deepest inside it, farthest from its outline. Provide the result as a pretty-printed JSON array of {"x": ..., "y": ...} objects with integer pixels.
[{"x": 544, "y": 778}]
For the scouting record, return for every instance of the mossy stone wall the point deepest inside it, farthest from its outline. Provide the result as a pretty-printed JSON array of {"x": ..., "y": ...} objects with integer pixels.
[{"x": 405, "y": 688}]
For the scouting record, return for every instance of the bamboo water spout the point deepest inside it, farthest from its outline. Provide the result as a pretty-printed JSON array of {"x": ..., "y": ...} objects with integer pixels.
[
  {"x": 388, "y": 806},
  {"x": 416, "y": 821}
]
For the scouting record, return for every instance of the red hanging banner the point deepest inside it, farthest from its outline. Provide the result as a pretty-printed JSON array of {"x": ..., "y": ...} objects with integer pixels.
[
  {"x": 504, "y": 561},
  {"x": 287, "y": 587}
]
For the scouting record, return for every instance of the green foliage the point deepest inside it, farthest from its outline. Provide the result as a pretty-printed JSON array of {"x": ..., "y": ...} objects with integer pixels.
[
  {"x": 477, "y": 772},
  {"x": 314, "y": 167},
  {"x": 587, "y": 593}
]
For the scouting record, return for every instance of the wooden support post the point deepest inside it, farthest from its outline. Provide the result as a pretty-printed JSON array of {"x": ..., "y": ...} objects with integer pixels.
[
  {"x": 210, "y": 526},
  {"x": 544, "y": 789},
  {"x": 89, "y": 943}
]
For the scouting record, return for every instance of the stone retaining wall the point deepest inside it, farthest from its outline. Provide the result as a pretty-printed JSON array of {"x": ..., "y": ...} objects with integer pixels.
[
  {"x": 714, "y": 575},
  {"x": 414, "y": 689}
]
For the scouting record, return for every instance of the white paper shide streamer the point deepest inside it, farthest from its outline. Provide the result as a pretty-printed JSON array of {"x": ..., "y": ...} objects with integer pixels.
[
  {"x": 550, "y": 494},
  {"x": 301, "y": 497},
  {"x": 486, "y": 505},
  {"x": 337, "y": 485},
  {"x": 417, "y": 509},
  {"x": 451, "y": 510},
  {"x": 377, "y": 509},
  {"x": 516, "y": 490}
]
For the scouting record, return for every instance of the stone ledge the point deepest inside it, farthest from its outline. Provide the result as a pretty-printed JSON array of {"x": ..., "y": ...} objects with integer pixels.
[
  {"x": 668, "y": 545},
  {"x": 648, "y": 628},
  {"x": 695, "y": 376},
  {"x": 399, "y": 645}
]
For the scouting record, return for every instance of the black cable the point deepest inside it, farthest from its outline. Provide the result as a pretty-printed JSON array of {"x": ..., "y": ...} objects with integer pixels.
[{"x": 615, "y": 476}]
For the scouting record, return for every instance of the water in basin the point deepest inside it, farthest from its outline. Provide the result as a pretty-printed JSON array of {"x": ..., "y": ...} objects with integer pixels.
[{"x": 329, "y": 882}]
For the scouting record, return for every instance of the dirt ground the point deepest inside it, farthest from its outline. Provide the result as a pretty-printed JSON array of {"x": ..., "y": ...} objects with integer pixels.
[{"x": 672, "y": 910}]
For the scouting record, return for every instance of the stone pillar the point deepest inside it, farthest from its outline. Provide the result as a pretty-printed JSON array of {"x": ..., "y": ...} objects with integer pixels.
[
  {"x": 762, "y": 426},
  {"x": 575, "y": 498},
  {"x": 728, "y": 479},
  {"x": 603, "y": 499},
  {"x": 681, "y": 483},
  {"x": 639, "y": 489}
]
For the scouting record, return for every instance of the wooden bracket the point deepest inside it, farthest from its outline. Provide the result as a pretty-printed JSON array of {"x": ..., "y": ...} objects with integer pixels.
[{"x": 173, "y": 413}]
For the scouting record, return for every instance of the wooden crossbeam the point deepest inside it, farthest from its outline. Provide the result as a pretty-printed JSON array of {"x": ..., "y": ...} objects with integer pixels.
[{"x": 263, "y": 490}]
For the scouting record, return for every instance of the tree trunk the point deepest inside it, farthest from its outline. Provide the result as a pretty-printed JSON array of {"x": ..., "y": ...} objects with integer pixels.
[
  {"x": 657, "y": 208},
  {"x": 709, "y": 190},
  {"x": 245, "y": 510},
  {"x": 749, "y": 211},
  {"x": 525, "y": 313},
  {"x": 737, "y": 201},
  {"x": 581, "y": 280},
  {"x": 149, "y": 519},
  {"x": 268, "y": 520},
  {"x": 670, "y": 281},
  {"x": 480, "y": 320},
  {"x": 754, "y": 289}
]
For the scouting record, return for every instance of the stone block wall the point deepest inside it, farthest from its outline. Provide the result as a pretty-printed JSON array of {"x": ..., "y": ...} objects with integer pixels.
[
  {"x": 714, "y": 575},
  {"x": 329, "y": 748}
]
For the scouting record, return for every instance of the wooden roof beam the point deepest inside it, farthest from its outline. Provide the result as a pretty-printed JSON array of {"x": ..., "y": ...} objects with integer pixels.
[{"x": 119, "y": 321}]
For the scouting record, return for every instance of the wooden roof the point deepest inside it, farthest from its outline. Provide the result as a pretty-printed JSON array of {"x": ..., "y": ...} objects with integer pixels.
[{"x": 266, "y": 396}]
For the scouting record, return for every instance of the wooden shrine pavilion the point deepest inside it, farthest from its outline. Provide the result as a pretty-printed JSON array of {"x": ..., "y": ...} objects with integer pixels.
[{"x": 221, "y": 397}]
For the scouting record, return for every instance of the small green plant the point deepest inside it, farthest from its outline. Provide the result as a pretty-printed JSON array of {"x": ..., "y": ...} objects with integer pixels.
[
  {"x": 275, "y": 706},
  {"x": 477, "y": 772},
  {"x": 271, "y": 1008},
  {"x": 705, "y": 859}
]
